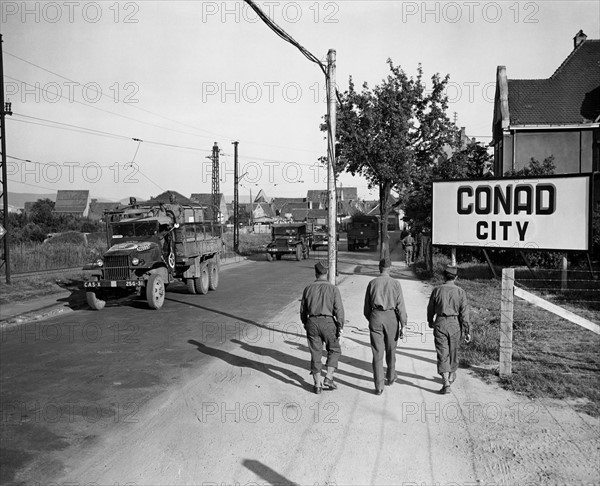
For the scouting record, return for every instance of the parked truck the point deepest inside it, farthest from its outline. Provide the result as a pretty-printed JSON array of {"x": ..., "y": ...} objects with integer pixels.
[
  {"x": 290, "y": 238},
  {"x": 363, "y": 232},
  {"x": 149, "y": 247}
]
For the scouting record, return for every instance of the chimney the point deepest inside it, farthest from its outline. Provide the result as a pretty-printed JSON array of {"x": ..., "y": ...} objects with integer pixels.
[{"x": 579, "y": 39}]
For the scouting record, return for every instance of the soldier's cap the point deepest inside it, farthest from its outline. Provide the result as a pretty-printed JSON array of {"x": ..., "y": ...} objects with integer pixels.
[
  {"x": 385, "y": 263},
  {"x": 320, "y": 268},
  {"x": 451, "y": 271}
]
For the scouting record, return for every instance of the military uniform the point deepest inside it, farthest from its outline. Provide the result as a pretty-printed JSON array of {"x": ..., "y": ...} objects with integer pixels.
[
  {"x": 448, "y": 305},
  {"x": 385, "y": 310},
  {"x": 408, "y": 243},
  {"x": 322, "y": 313}
]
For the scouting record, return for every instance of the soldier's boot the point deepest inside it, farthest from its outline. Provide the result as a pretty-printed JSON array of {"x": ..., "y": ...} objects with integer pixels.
[
  {"x": 452, "y": 377},
  {"x": 329, "y": 379},
  {"x": 446, "y": 387},
  {"x": 318, "y": 386}
]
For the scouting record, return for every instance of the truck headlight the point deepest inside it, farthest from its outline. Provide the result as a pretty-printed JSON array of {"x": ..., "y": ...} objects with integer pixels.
[
  {"x": 135, "y": 261},
  {"x": 99, "y": 262}
]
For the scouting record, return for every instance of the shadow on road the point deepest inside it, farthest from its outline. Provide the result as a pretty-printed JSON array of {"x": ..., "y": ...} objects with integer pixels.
[
  {"x": 276, "y": 372},
  {"x": 266, "y": 473}
]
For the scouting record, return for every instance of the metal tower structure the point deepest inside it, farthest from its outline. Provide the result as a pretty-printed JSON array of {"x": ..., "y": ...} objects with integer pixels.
[{"x": 215, "y": 185}]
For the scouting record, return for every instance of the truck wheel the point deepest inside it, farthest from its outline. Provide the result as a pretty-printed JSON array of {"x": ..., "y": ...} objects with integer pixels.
[
  {"x": 279, "y": 255},
  {"x": 298, "y": 253},
  {"x": 155, "y": 291},
  {"x": 373, "y": 247},
  {"x": 203, "y": 281},
  {"x": 94, "y": 302},
  {"x": 350, "y": 246},
  {"x": 191, "y": 286},
  {"x": 270, "y": 257},
  {"x": 213, "y": 274}
]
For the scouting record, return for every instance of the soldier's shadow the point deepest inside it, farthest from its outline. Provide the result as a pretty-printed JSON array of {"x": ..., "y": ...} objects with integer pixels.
[{"x": 276, "y": 372}]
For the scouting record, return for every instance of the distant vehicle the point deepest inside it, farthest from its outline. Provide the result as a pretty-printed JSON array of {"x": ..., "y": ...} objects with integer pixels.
[
  {"x": 363, "y": 232},
  {"x": 320, "y": 237},
  {"x": 149, "y": 248},
  {"x": 290, "y": 239}
]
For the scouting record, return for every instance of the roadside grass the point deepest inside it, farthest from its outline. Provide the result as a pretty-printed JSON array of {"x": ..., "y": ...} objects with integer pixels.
[
  {"x": 552, "y": 357},
  {"x": 31, "y": 288}
]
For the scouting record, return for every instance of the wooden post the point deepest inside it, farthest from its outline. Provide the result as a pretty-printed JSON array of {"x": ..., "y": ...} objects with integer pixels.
[
  {"x": 453, "y": 256},
  {"x": 506, "y": 321},
  {"x": 563, "y": 273}
]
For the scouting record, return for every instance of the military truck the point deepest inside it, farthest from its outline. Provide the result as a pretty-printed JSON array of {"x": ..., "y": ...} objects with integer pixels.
[
  {"x": 149, "y": 247},
  {"x": 363, "y": 232},
  {"x": 290, "y": 239},
  {"x": 320, "y": 237}
]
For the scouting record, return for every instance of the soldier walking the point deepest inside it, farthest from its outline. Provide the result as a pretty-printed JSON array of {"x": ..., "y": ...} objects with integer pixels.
[
  {"x": 448, "y": 305},
  {"x": 322, "y": 313},
  {"x": 408, "y": 244},
  {"x": 385, "y": 310}
]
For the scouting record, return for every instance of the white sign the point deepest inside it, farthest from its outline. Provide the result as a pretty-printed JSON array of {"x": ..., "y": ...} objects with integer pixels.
[{"x": 546, "y": 213}]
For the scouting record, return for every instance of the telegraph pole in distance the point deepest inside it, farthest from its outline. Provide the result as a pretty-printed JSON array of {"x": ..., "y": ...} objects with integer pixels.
[
  {"x": 331, "y": 190},
  {"x": 236, "y": 226},
  {"x": 215, "y": 185},
  {"x": 4, "y": 110}
]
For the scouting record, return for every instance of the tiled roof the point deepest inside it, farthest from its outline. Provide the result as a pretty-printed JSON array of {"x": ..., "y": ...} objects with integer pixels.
[
  {"x": 279, "y": 202},
  {"x": 570, "y": 96},
  {"x": 166, "y": 197}
]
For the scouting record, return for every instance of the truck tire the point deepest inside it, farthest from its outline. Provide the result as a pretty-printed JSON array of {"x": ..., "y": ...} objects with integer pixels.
[
  {"x": 213, "y": 274},
  {"x": 270, "y": 257},
  {"x": 155, "y": 291},
  {"x": 94, "y": 302},
  {"x": 191, "y": 285},
  {"x": 298, "y": 252},
  {"x": 350, "y": 246},
  {"x": 373, "y": 247},
  {"x": 203, "y": 281},
  {"x": 279, "y": 255}
]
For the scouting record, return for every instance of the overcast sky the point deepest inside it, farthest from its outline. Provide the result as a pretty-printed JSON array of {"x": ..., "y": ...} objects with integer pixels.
[{"x": 87, "y": 78}]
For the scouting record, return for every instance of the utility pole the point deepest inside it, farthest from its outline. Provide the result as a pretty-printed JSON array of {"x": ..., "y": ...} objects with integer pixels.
[
  {"x": 236, "y": 226},
  {"x": 331, "y": 127},
  {"x": 215, "y": 185},
  {"x": 4, "y": 110}
]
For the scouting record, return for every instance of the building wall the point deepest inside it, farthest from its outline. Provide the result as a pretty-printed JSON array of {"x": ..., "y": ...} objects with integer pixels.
[{"x": 573, "y": 150}]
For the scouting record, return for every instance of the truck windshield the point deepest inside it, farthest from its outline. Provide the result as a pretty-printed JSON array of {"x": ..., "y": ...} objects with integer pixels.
[
  {"x": 127, "y": 230},
  {"x": 286, "y": 231}
]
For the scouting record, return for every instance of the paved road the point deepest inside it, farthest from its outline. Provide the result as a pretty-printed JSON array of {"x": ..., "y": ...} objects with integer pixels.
[{"x": 66, "y": 381}]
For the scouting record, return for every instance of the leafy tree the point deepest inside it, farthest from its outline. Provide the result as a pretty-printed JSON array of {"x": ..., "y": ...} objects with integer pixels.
[
  {"x": 382, "y": 133},
  {"x": 535, "y": 168},
  {"x": 41, "y": 212},
  {"x": 470, "y": 162}
]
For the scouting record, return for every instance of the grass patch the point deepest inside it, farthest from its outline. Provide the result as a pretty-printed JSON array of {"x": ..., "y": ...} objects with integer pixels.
[
  {"x": 552, "y": 357},
  {"x": 30, "y": 288}
]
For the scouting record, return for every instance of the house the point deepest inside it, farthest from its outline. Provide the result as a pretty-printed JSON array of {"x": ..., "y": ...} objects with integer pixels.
[
  {"x": 262, "y": 213},
  {"x": 281, "y": 204},
  {"x": 558, "y": 116},
  {"x": 318, "y": 198},
  {"x": 206, "y": 200},
  {"x": 73, "y": 202},
  {"x": 395, "y": 221}
]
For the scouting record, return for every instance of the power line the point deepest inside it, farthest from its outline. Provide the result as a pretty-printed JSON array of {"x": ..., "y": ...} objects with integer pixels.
[{"x": 130, "y": 105}]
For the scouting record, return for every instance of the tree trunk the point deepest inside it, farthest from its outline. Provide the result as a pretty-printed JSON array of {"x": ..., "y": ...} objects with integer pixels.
[{"x": 384, "y": 211}]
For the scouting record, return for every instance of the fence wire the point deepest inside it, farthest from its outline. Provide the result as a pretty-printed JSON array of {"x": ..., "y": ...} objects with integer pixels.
[{"x": 554, "y": 353}]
